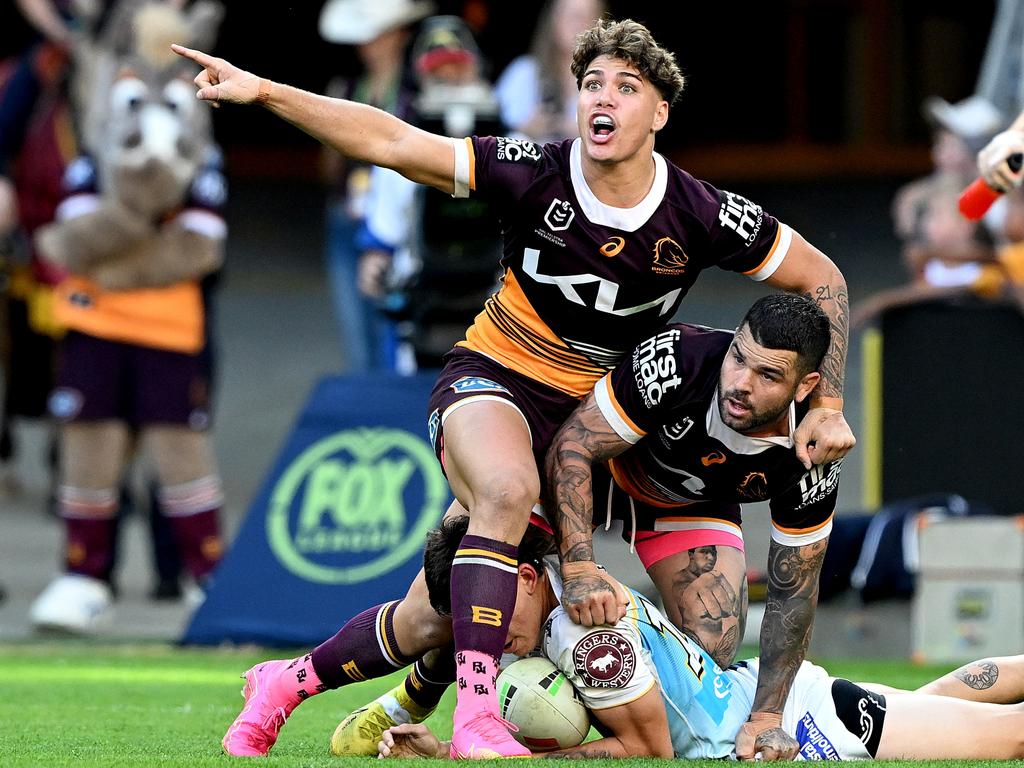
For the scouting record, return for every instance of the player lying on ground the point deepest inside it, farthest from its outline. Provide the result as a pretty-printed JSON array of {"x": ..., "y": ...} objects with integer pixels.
[
  {"x": 662, "y": 695},
  {"x": 603, "y": 237},
  {"x": 697, "y": 564}
]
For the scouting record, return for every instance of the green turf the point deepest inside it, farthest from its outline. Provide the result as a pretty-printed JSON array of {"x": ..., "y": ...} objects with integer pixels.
[{"x": 83, "y": 705}]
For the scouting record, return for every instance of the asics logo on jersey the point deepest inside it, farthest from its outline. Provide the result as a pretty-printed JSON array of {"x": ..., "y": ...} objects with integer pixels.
[
  {"x": 559, "y": 216},
  {"x": 715, "y": 457},
  {"x": 613, "y": 247},
  {"x": 669, "y": 257},
  {"x": 607, "y": 291}
]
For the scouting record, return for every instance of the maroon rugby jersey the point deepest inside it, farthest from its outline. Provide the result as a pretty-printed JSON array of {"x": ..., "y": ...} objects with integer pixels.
[
  {"x": 666, "y": 393},
  {"x": 583, "y": 281}
]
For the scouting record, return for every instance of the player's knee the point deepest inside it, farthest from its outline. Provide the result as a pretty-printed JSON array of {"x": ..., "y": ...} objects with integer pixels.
[
  {"x": 503, "y": 499},
  {"x": 433, "y": 632}
]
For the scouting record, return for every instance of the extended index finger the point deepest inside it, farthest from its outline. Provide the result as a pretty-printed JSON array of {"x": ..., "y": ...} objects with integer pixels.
[{"x": 200, "y": 58}]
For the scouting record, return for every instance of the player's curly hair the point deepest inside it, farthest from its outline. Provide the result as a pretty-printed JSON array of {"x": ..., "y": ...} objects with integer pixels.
[
  {"x": 631, "y": 41},
  {"x": 444, "y": 541},
  {"x": 793, "y": 322}
]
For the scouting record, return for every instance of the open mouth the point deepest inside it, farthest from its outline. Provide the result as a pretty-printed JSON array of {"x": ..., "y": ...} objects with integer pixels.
[{"x": 602, "y": 127}]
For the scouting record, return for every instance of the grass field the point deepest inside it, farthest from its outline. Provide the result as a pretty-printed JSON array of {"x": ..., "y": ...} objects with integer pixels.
[{"x": 82, "y": 705}]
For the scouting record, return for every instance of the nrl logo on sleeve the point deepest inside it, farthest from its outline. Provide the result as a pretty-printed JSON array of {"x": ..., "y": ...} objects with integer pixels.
[
  {"x": 604, "y": 660},
  {"x": 517, "y": 150}
]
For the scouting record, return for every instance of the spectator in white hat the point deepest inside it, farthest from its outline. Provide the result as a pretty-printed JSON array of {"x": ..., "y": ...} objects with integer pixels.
[{"x": 380, "y": 31}]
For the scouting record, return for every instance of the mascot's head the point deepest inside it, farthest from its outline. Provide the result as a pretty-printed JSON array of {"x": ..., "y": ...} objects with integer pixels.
[{"x": 139, "y": 116}]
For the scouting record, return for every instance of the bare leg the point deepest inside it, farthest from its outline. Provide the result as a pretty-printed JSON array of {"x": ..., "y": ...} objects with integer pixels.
[
  {"x": 492, "y": 470},
  {"x": 705, "y": 594},
  {"x": 922, "y": 727},
  {"x": 997, "y": 681}
]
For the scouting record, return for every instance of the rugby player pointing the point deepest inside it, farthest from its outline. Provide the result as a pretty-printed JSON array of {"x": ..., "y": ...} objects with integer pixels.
[{"x": 602, "y": 239}]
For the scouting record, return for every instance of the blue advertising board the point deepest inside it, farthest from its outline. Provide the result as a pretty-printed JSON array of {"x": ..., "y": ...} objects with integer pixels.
[{"x": 338, "y": 526}]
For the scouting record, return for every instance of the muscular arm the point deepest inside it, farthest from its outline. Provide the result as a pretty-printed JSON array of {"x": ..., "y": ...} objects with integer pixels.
[
  {"x": 355, "y": 130},
  {"x": 823, "y": 434},
  {"x": 808, "y": 271},
  {"x": 368, "y": 134},
  {"x": 785, "y": 634},
  {"x": 789, "y": 613},
  {"x": 585, "y": 438},
  {"x": 637, "y": 729}
]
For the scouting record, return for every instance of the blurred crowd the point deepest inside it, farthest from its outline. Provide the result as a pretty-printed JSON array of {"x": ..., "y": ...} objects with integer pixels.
[{"x": 112, "y": 232}]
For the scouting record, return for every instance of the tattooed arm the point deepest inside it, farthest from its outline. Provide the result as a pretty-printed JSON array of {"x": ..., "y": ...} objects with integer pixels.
[
  {"x": 785, "y": 633},
  {"x": 585, "y": 439},
  {"x": 823, "y": 435}
]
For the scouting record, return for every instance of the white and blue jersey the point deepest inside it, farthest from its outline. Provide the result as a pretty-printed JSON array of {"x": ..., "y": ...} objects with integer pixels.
[{"x": 706, "y": 705}]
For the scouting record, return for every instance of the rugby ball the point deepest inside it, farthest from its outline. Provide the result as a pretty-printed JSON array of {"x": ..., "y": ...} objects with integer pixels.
[{"x": 537, "y": 698}]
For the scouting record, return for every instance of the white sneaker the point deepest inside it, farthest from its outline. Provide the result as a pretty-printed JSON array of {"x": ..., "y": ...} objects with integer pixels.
[{"x": 73, "y": 603}]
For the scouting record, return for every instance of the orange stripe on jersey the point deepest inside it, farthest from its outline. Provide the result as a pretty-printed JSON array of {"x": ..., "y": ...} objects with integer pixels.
[
  {"x": 472, "y": 163},
  {"x": 802, "y": 531},
  {"x": 681, "y": 519},
  {"x": 618, "y": 408},
  {"x": 771, "y": 252},
  {"x": 636, "y": 485},
  {"x": 510, "y": 331}
]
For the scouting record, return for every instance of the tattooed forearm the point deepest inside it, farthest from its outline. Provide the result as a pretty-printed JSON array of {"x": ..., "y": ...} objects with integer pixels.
[
  {"x": 584, "y": 439},
  {"x": 834, "y": 299},
  {"x": 980, "y": 675},
  {"x": 789, "y": 613}
]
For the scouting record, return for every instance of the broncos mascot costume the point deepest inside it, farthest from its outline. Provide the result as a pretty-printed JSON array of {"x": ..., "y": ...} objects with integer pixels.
[{"x": 139, "y": 228}]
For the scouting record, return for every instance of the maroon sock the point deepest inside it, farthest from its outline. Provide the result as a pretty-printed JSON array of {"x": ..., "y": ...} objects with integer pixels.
[
  {"x": 89, "y": 527},
  {"x": 199, "y": 542},
  {"x": 89, "y": 549},
  {"x": 365, "y": 648},
  {"x": 194, "y": 510},
  {"x": 430, "y": 677},
  {"x": 483, "y": 590}
]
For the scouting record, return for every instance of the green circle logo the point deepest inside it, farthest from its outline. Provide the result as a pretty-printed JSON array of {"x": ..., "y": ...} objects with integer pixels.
[{"x": 345, "y": 499}]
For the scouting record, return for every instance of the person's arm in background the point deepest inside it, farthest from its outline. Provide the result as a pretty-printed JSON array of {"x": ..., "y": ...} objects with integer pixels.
[
  {"x": 993, "y": 158},
  {"x": 823, "y": 434},
  {"x": 46, "y": 20},
  {"x": 355, "y": 130}
]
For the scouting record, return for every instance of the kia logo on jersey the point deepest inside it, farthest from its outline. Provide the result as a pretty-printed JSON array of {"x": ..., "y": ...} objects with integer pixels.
[{"x": 559, "y": 216}]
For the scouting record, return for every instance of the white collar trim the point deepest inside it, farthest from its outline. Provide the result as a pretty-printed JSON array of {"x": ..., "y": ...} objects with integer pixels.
[
  {"x": 740, "y": 443},
  {"x": 626, "y": 219}
]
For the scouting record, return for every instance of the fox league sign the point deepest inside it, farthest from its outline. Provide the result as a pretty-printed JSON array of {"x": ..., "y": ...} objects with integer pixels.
[{"x": 339, "y": 523}]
